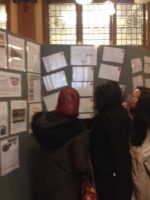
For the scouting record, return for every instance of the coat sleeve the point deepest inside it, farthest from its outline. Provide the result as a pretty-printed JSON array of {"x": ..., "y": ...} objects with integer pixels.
[
  {"x": 119, "y": 129},
  {"x": 80, "y": 149}
]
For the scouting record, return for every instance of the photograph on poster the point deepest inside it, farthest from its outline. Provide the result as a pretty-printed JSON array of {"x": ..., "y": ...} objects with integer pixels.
[{"x": 18, "y": 116}]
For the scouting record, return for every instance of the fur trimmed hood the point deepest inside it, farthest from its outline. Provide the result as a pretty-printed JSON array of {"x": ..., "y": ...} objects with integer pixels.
[{"x": 53, "y": 129}]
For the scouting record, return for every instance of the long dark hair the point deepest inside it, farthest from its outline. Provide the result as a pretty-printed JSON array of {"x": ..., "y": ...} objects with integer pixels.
[
  {"x": 107, "y": 95},
  {"x": 141, "y": 117}
]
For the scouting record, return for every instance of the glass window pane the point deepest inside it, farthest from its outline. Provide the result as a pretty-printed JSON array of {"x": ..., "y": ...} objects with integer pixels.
[
  {"x": 3, "y": 16},
  {"x": 62, "y": 23},
  {"x": 129, "y": 20},
  {"x": 95, "y": 24}
]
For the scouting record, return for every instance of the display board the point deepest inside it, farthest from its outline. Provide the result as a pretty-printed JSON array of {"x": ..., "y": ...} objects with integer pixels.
[
  {"x": 84, "y": 67},
  {"x": 20, "y": 98},
  {"x": 31, "y": 77}
]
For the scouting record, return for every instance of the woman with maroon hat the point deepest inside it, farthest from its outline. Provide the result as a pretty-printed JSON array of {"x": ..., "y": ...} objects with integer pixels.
[{"x": 64, "y": 150}]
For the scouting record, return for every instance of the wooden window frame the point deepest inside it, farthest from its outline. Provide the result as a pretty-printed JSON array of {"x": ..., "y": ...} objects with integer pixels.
[{"x": 79, "y": 30}]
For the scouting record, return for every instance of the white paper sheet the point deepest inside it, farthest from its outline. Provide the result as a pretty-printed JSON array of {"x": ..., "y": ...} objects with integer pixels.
[
  {"x": 33, "y": 108},
  {"x": 112, "y": 54},
  {"x": 9, "y": 151},
  {"x": 54, "y": 61},
  {"x": 3, "y": 50},
  {"x": 55, "y": 80},
  {"x": 85, "y": 115},
  {"x": 34, "y": 87},
  {"x": 138, "y": 81},
  {"x": 51, "y": 101},
  {"x": 3, "y": 119},
  {"x": 82, "y": 73},
  {"x": 10, "y": 84},
  {"x": 86, "y": 105},
  {"x": 146, "y": 64},
  {"x": 147, "y": 82},
  {"x": 83, "y": 55},
  {"x": 18, "y": 116},
  {"x": 109, "y": 72},
  {"x": 136, "y": 65},
  {"x": 33, "y": 57},
  {"x": 16, "y": 53},
  {"x": 84, "y": 88}
]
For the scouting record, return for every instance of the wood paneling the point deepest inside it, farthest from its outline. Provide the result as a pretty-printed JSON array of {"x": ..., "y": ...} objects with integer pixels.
[{"x": 26, "y": 20}]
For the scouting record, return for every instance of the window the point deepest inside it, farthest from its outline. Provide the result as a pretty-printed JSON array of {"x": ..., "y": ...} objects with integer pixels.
[
  {"x": 62, "y": 23},
  {"x": 94, "y": 26},
  {"x": 3, "y": 16},
  {"x": 129, "y": 19}
]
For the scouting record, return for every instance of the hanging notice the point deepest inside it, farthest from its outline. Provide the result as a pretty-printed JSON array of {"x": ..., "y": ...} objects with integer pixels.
[
  {"x": 109, "y": 72},
  {"x": 10, "y": 84},
  {"x": 82, "y": 73},
  {"x": 84, "y": 88},
  {"x": 18, "y": 116},
  {"x": 136, "y": 65},
  {"x": 55, "y": 80},
  {"x": 3, "y": 119},
  {"x": 51, "y": 101},
  {"x": 138, "y": 81},
  {"x": 86, "y": 105},
  {"x": 112, "y": 54},
  {"x": 3, "y": 51},
  {"x": 34, "y": 87},
  {"x": 9, "y": 155},
  {"x": 33, "y": 57},
  {"x": 147, "y": 82},
  {"x": 16, "y": 53},
  {"x": 33, "y": 108},
  {"x": 83, "y": 55},
  {"x": 54, "y": 61},
  {"x": 146, "y": 64}
]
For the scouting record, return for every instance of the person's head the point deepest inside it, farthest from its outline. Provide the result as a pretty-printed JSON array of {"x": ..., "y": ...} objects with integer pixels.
[
  {"x": 107, "y": 94},
  {"x": 133, "y": 98},
  {"x": 141, "y": 111},
  {"x": 68, "y": 102}
]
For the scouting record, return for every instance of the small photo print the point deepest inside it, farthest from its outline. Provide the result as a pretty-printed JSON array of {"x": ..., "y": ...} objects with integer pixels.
[{"x": 18, "y": 115}]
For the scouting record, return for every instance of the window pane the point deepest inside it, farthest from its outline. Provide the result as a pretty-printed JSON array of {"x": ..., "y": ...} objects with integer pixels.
[
  {"x": 129, "y": 19},
  {"x": 95, "y": 25},
  {"x": 3, "y": 16},
  {"x": 62, "y": 23}
]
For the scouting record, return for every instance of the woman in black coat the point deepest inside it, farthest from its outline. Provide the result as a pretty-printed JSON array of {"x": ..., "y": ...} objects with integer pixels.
[
  {"x": 110, "y": 144},
  {"x": 64, "y": 150}
]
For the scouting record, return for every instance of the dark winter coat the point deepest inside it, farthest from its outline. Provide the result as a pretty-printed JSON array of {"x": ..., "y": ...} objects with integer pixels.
[
  {"x": 110, "y": 154},
  {"x": 64, "y": 156}
]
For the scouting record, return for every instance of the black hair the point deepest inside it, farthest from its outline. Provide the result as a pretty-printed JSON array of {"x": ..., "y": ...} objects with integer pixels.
[
  {"x": 141, "y": 117},
  {"x": 106, "y": 95}
]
